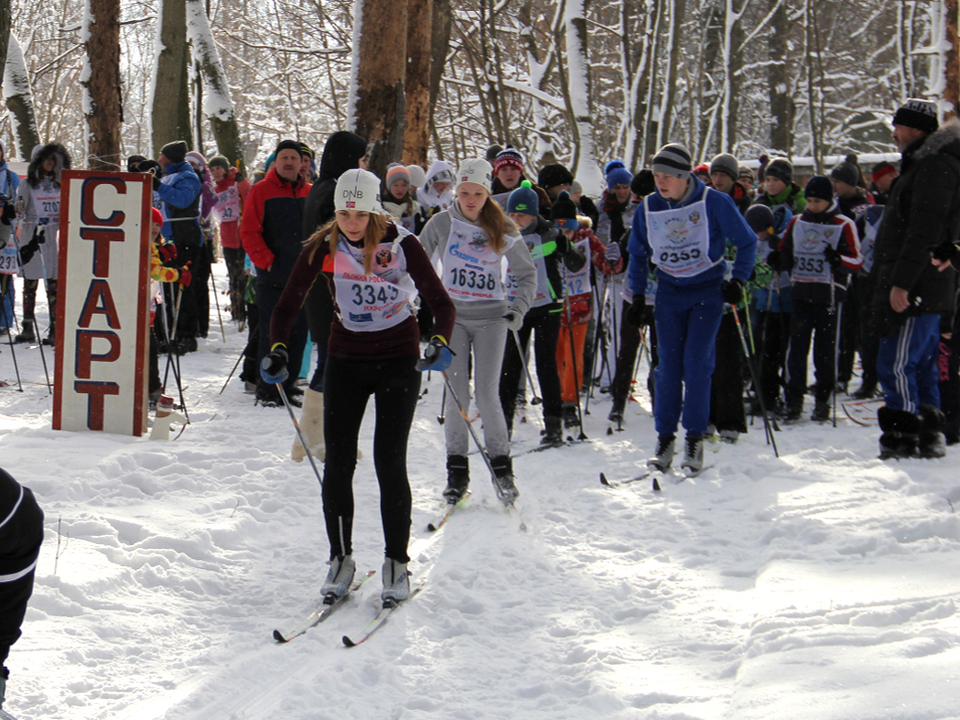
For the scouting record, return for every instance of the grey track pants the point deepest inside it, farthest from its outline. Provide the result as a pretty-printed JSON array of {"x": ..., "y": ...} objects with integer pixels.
[{"x": 486, "y": 338}]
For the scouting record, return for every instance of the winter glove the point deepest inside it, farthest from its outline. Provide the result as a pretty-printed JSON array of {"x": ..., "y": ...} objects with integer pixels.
[
  {"x": 156, "y": 183},
  {"x": 612, "y": 253},
  {"x": 732, "y": 290},
  {"x": 167, "y": 253},
  {"x": 774, "y": 260},
  {"x": 29, "y": 250},
  {"x": 833, "y": 257},
  {"x": 944, "y": 252},
  {"x": 638, "y": 315},
  {"x": 436, "y": 355},
  {"x": 514, "y": 320},
  {"x": 185, "y": 276},
  {"x": 273, "y": 367},
  {"x": 40, "y": 236}
]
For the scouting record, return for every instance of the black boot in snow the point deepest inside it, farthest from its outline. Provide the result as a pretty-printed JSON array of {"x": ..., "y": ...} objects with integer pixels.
[
  {"x": 29, "y": 334},
  {"x": 458, "y": 478},
  {"x": 901, "y": 433},
  {"x": 553, "y": 431},
  {"x": 931, "y": 442},
  {"x": 503, "y": 476}
]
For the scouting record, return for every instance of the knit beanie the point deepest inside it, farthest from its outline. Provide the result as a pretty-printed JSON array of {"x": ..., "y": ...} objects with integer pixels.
[
  {"x": 305, "y": 150},
  {"x": 523, "y": 200},
  {"x": 396, "y": 171},
  {"x": 195, "y": 158},
  {"x": 726, "y": 163},
  {"x": 917, "y": 114},
  {"x": 492, "y": 153},
  {"x": 759, "y": 218},
  {"x": 564, "y": 212},
  {"x": 747, "y": 173},
  {"x": 673, "y": 159},
  {"x": 476, "y": 170},
  {"x": 881, "y": 169},
  {"x": 418, "y": 176},
  {"x": 618, "y": 176},
  {"x": 358, "y": 190},
  {"x": 553, "y": 175},
  {"x": 819, "y": 186},
  {"x": 847, "y": 171},
  {"x": 510, "y": 156},
  {"x": 287, "y": 145},
  {"x": 156, "y": 216},
  {"x": 175, "y": 152},
  {"x": 642, "y": 183},
  {"x": 780, "y": 168},
  {"x": 219, "y": 161},
  {"x": 132, "y": 161}
]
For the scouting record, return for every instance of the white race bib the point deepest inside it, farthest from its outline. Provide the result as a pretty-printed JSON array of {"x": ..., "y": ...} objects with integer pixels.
[
  {"x": 544, "y": 296},
  {"x": 810, "y": 240},
  {"x": 381, "y": 300},
  {"x": 680, "y": 239},
  {"x": 227, "y": 208},
  {"x": 471, "y": 268},
  {"x": 46, "y": 199},
  {"x": 578, "y": 283}
]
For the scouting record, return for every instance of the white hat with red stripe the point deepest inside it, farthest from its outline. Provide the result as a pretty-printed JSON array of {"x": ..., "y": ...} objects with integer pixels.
[{"x": 358, "y": 190}]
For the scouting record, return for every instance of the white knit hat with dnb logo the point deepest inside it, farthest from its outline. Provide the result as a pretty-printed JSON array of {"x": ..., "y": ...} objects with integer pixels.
[
  {"x": 476, "y": 170},
  {"x": 358, "y": 190}
]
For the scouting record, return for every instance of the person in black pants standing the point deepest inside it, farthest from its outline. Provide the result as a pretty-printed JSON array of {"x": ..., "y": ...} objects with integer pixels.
[
  {"x": 374, "y": 269},
  {"x": 21, "y": 533}
]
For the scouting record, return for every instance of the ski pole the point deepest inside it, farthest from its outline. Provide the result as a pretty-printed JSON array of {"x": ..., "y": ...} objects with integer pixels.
[
  {"x": 753, "y": 374},
  {"x": 296, "y": 425},
  {"x": 523, "y": 360},
  {"x": 836, "y": 360},
  {"x": 216, "y": 300},
  {"x": 442, "y": 418},
  {"x": 46, "y": 287}
]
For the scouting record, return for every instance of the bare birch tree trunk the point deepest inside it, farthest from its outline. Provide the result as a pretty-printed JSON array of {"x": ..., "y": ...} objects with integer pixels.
[
  {"x": 171, "y": 95},
  {"x": 217, "y": 101},
  {"x": 377, "y": 96},
  {"x": 103, "y": 106},
  {"x": 19, "y": 99},
  {"x": 537, "y": 71},
  {"x": 675, "y": 46},
  {"x": 416, "y": 134},
  {"x": 951, "y": 91},
  {"x": 5, "y": 21}
]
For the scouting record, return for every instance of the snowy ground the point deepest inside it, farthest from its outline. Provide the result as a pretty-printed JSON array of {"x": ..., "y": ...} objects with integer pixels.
[{"x": 823, "y": 584}]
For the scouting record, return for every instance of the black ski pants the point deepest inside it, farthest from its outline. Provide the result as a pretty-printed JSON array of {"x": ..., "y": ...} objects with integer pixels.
[{"x": 348, "y": 385}]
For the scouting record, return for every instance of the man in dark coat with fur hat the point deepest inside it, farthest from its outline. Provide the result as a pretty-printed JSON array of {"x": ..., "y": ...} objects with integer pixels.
[{"x": 915, "y": 279}]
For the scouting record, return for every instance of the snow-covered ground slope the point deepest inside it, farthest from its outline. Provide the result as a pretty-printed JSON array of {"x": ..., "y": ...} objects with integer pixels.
[{"x": 823, "y": 584}]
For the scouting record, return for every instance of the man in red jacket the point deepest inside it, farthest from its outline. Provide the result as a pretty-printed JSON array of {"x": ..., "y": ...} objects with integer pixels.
[{"x": 271, "y": 233}]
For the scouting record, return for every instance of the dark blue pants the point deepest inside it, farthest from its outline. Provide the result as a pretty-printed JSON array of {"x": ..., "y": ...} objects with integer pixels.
[
  {"x": 907, "y": 364},
  {"x": 688, "y": 318},
  {"x": 268, "y": 295}
]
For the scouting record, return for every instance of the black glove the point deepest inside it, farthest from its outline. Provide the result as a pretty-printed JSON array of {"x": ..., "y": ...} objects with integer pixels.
[
  {"x": 638, "y": 315},
  {"x": 29, "y": 250},
  {"x": 273, "y": 367},
  {"x": 156, "y": 183},
  {"x": 774, "y": 260},
  {"x": 732, "y": 291},
  {"x": 833, "y": 257},
  {"x": 944, "y": 252}
]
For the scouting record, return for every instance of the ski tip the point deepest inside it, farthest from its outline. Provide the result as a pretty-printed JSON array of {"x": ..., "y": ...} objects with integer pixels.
[
  {"x": 431, "y": 527},
  {"x": 656, "y": 485},
  {"x": 348, "y": 642},
  {"x": 278, "y": 636},
  {"x": 609, "y": 431},
  {"x": 604, "y": 481}
]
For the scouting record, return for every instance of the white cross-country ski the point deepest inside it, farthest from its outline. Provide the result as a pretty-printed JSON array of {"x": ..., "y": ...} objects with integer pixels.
[
  {"x": 321, "y": 613},
  {"x": 389, "y": 607}
]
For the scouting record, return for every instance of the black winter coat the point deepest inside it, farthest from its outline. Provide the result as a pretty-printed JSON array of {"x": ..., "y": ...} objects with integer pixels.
[{"x": 923, "y": 212}]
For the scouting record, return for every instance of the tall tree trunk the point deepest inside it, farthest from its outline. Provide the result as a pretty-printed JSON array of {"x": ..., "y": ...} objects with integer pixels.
[
  {"x": 217, "y": 101},
  {"x": 537, "y": 68},
  {"x": 5, "y": 20},
  {"x": 19, "y": 99},
  {"x": 416, "y": 82},
  {"x": 103, "y": 106},
  {"x": 377, "y": 102},
  {"x": 171, "y": 93},
  {"x": 952, "y": 87},
  {"x": 674, "y": 48},
  {"x": 440, "y": 30},
  {"x": 782, "y": 106}
]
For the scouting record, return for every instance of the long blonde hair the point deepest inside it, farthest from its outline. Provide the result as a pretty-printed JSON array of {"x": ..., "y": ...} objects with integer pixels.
[
  {"x": 495, "y": 224},
  {"x": 376, "y": 229}
]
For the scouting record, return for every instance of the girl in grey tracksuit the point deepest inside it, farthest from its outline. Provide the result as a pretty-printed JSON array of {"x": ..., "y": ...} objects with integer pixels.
[{"x": 470, "y": 240}]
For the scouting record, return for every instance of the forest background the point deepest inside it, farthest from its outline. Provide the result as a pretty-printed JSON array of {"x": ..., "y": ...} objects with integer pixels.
[{"x": 574, "y": 81}]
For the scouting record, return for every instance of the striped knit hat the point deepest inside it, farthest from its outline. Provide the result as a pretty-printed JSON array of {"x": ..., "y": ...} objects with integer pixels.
[
  {"x": 673, "y": 159},
  {"x": 510, "y": 156},
  {"x": 395, "y": 172}
]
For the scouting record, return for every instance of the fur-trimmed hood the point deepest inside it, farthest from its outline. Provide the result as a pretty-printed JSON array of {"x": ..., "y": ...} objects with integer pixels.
[
  {"x": 941, "y": 141},
  {"x": 40, "y": 157}
]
